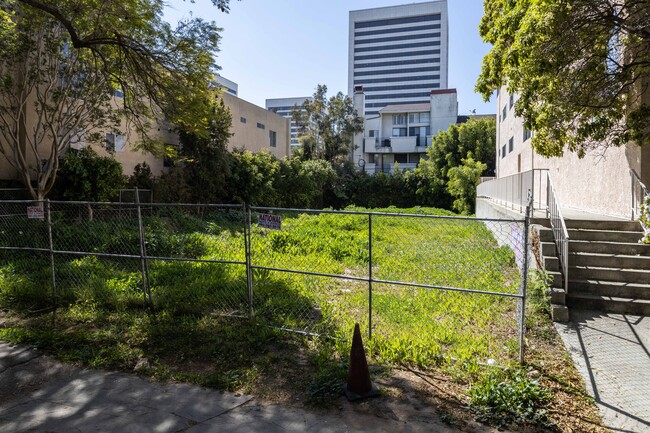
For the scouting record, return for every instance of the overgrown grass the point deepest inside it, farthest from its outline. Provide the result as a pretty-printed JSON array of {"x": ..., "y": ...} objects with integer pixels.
[{"x": 100, "y": 320}]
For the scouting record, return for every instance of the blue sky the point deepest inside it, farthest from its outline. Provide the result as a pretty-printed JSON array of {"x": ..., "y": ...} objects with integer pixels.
[{"x": 284, "y": 48}]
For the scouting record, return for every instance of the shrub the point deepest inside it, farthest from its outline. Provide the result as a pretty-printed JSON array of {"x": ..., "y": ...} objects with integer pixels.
[{"x": 510, "y": 397}]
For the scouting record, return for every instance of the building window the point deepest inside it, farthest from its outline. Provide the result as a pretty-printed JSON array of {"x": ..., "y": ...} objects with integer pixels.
[
  {"x": 504, "y": 112},
  {"x": 399, "y": 132},
  {"x": 401, "y": 158},
  {"x": 512, "y": 100},
  {"x": 260, "y": 125},
  {"x": 242, "y": 119},
  {"x": 419, "y": 117},
  {"x": 503, "y": 151},
  {"x": 399, "y": 119},
  {"x": 272, "y": 139},
  {"x": 511, "y": 144},
  {"x": 114, "y": 142},
  {"x": 527, "y": 134}
]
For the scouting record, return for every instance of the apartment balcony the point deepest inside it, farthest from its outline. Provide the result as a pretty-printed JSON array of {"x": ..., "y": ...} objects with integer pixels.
[
  {"x": 388, "y": 168},
  {"x": 412, "y": 144}
]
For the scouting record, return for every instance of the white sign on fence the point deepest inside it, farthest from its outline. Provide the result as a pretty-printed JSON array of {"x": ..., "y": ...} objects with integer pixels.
[
  {"x": 270, "y": 221},
  {"x": 35, "y": 212}
]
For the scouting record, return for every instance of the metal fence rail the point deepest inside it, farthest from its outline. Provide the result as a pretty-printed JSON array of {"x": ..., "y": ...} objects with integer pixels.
[
  {"x": 512, "y": 191},
  {"x": 640, "y": 201},
  {"x": 560, "y": 233},
  {"x": 452, "y": 286}
]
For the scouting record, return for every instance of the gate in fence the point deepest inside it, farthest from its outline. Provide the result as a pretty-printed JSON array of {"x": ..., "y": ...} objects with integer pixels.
[{"x": 430, "y": 286}]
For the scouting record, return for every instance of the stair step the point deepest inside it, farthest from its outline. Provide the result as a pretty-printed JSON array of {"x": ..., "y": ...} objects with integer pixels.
[
  {"x": 556, "y": 279},
  {"x": 609, "y": 248},
  {"x": 587, "y": 301},
  {"x": 551, "y": 263},
  {"x": 608, "y": 274},
  {"x": 545, "y": 235},
  {"x": 631, "y": 226},
  {"x": 605, "y": 235},
  {"x": 548, "y": 248},
  {"x": 611, "y": 288},
  {"x": 610, "y": 260}
]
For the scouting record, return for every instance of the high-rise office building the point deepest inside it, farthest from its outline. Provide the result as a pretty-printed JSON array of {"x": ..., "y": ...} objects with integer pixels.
[
  {"x": 284, "y": 107},
  {"x": 398, "y": 53}
]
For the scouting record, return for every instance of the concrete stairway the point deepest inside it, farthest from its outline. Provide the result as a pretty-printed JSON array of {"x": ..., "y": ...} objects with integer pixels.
[{"x": 609, "y": 270}]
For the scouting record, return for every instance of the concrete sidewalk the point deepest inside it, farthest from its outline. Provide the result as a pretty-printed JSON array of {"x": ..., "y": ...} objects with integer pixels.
[
  {"x": 612, "y": 352},
  {"x": 38, "y": 394}
]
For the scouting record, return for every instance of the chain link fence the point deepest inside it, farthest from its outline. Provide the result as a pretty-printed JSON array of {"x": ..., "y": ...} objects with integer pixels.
[{"x": 424, "y": 287}]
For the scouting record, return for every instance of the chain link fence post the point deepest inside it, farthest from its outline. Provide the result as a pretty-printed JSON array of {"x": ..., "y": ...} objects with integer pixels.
[
  {"x": 146, "y": 292},
  {"x": 51, "y": 247},
  {"x": 524, "y": 281},
  {"x": 369, "y": 276},
  {"x": 247, "y": 247}
]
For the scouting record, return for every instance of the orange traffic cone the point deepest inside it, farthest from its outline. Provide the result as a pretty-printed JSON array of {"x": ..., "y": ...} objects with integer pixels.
[{"x": 359, "y": 385}]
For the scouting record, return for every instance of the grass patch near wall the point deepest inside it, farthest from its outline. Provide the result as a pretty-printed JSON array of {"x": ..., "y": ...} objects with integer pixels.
[{"x": 200, "y": 332}]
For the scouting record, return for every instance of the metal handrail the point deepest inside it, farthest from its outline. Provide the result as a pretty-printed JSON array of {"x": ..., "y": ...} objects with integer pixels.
[
  {"x": 638, "y": 200},
  {"x": 512, "y": 191},
  {"x": 560, "y": 232}
]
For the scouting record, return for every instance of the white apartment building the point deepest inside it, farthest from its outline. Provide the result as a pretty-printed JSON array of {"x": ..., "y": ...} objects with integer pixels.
[
  {"x": 600, "y": 183},
  {"x": 401, "y": 133},
  {"x": 283, "y": 107},
  {"x": 398, "y": 53}
]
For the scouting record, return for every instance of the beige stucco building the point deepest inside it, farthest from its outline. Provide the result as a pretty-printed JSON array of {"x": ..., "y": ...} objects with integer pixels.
[
  {"x": 254, "y": 128},
  {"x": 257, "y": 129},
  {"x": 600, "y": 182}
]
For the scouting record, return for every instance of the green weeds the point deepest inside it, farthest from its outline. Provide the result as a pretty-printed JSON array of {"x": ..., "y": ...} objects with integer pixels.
[
  {"x": 100, "y": 320},
  {"x": 504, "y": 397}
]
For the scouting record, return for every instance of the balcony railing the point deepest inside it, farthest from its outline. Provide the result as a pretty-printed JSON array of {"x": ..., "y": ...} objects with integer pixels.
[
  {"x": 640, "y": 201},
  {"x": 408, "y": 144},
  {"x": 512, "y": 191},
  {"x": 388, "y": 168},
  {"x": 560, "y": 233}
]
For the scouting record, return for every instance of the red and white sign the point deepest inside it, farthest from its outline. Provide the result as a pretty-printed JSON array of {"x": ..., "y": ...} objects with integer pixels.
[
  {"x": 270, "y": 221},
  {"x": 35, "y": 212}
]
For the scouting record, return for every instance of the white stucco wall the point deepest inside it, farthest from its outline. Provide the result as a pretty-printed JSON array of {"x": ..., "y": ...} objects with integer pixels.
[{"x": 599, "y": 183}]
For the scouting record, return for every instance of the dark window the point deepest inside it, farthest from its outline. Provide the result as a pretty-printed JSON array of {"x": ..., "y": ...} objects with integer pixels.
[
  {"x": 512, "y": 100},
  {"x": 527, "y": 134},
  {"x": 503, "y": 151},
  {"x": 396, "y": 39},
  {"x": 400, "y": 30},
  {"x": 397, "y": 63},
  {"x": 402, "y": 158},
  {"x": 399, "y": 132},
  {"x": 242, "y": 119},
  {"x": 397, "y": 46},
  {"x": 395, "y": 99},
  {"x": 395, "y": 21},
  {"x": 504, "y": 112},
  {"x": 395, "y": 79},
  {"x": 422, "y": 86},
  {"x": 397, "y": 71},
  {"x": 511, "y": 144},
  {"x": 260, "y": 125},
  {"x": 392, "y": 55},
  {"x": 403, "y": 95},
  {"x": 272, "y": 138}
]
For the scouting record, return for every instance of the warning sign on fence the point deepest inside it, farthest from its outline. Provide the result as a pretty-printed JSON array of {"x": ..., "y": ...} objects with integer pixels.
[
  {"x": 35, "y": 212},
  {"x": 269, "y": 221}
]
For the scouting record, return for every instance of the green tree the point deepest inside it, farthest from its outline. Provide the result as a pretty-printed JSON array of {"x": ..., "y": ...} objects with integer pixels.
[
  {"x": 326, "y": 126},
  {"x": 205, "y": 158},
  {"x": 462, "y": 184},
  {"x": 477, "y": 137},
  {"x": 62, "y": 62},
  {"x": 86, "y": 176},
  {"x": 580, "y": 68},
  {"x": 251, "y": 177}
]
